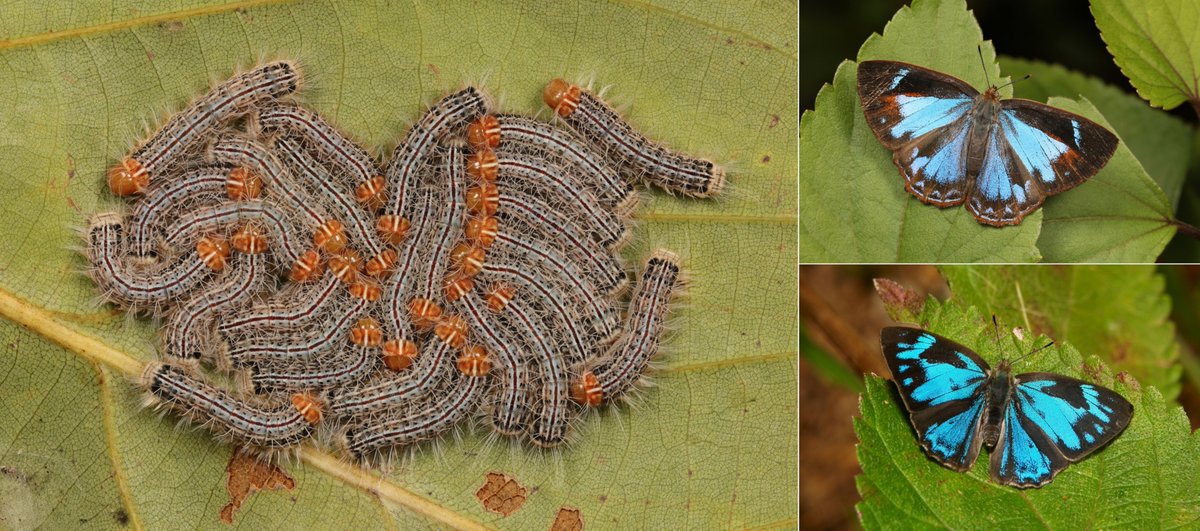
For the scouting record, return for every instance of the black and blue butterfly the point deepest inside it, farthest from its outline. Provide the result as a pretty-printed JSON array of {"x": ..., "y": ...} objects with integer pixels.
[
  {"x": 955, "y": 145},
  {"x": 1035, "y": 423}
]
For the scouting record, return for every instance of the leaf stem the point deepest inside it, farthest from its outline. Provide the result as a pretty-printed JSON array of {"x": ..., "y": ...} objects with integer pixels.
[{"x": 1187, "y": 230}]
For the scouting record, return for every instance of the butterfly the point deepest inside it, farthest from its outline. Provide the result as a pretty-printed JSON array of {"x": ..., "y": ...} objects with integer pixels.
[
  {"x": 955, "y": 145},
  {"x": 1035, "y": 423}
]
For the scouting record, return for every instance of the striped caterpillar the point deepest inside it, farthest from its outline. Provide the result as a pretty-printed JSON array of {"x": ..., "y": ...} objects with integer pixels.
[{"x": 476, "y": 273}]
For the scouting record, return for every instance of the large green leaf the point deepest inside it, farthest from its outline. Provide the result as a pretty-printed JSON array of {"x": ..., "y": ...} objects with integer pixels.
[
  {"x": 1143, "y": 479},
  {"x": 855, "y": 208},
  {"x": 1154, "y": 43},
  {"x": 1120, "y": 314},
  {"x": 712, "y": 445}
]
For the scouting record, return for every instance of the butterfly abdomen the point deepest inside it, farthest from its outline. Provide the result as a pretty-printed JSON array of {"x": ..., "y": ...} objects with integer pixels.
[
  {"x": 999, "y": 392},
  {"x": 983, "y": 114}
]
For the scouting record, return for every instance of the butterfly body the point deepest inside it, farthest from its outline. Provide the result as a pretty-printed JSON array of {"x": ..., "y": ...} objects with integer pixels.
[
  {"x": 955, "y": 145},
  {"x": 1035, "y": 424}
]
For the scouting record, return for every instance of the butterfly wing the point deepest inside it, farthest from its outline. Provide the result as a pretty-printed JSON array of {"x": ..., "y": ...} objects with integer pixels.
[
  {"x": 1061, "y": 150},
  {"x": 1035, "y": 151},
  {"x": 921, "y": 115},
  {"x": 1052, "y": 421},
  {"x": 942, "y": 384}
]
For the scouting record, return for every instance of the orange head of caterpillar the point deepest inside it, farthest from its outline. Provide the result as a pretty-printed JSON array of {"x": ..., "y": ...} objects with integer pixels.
[
  {"x": 344, "y": 268},
  {"x": 330, "y": 236},
  {"x": 474, "y": 361},
  {"x": 309, "y": 266},
  {"x": 457, "y": 286},
  {"x": 398, "y": 354},
  {"x": 128, "y": 177},
  {"x": 249, "y": 240},
  {"x": 587, "y": 391},
  {"x": 367, "y": 333},
  {"x": 482, "y": 230},
  {"x": 213, "y": 251},
  {"x": 308, "y": 406},
  {"x": 483, "y": 165},
  {"x": 367, "y": 291},
  {"x": 424, "y": 313},
  {"x": 483, "y": 199},
  {"x": 467, "y": 259},
  {"x": 484, "y": 133},
  {"x": 242, "y": 184},
  {"x": 561, "y": 96},
  {"x": 370, "y": 192},
  {"x": 381, "y": 264},
  {"x": 453, "y": 330},
  {"x": 392, "y": 229}
]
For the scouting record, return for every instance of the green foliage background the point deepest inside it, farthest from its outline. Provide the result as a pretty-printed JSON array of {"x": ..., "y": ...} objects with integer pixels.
[{"x": 711, "y": 446}]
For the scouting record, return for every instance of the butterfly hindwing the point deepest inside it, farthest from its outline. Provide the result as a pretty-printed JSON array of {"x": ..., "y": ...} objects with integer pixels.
[
  {"x": 1004, "y": 192},
  {"x": 942, "y": 384}
]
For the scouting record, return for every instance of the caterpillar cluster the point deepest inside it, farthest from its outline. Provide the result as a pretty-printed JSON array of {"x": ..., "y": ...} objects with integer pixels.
[{"x": 478, "y": 272}]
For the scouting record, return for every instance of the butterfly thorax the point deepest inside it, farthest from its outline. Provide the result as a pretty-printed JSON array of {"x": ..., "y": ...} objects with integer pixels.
[
  {"x": 983, "y": 118},
  {"x": 999, "y": 391}
]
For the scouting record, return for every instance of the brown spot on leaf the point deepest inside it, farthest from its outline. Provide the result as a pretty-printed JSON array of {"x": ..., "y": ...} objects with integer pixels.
[
  {"x": 247, "y": 475},
  {"x": 173, "y": 26},
  {"x": 774, "y": 121},
  {"x": 568, "y": 519},
  {"x": 121, "y": 517},
  {"x": 766, "y": 159},
  {"x": 501, "y": 494}
]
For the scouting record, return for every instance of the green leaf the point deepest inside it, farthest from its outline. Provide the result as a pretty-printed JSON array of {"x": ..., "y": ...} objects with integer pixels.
[
  {"x": 79, "y": 83},
  {"x": 1154, "y": 43},
  {"x": 854, "y": 206},
  {"x": 1159, "y": 141},
  {"x": 1121, "y": 314},
  {"x": 1143, "y": 479}
]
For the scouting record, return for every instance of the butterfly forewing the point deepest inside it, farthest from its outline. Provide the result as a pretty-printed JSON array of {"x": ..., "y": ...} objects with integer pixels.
[
  {"x": 1060, "y": 149},
  {"x": 903, "y": 102},
  {"x": 942, "y": 384},
  {"x": 1078, "y": 416}
]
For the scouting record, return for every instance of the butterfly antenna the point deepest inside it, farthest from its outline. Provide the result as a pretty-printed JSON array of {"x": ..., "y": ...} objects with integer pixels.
[
  {"x": 1014, "y": 82},
  {"x": 996, "y": 328},
  {"x": 983, "y": 64},
  {"x": 1035, "y": 351}
]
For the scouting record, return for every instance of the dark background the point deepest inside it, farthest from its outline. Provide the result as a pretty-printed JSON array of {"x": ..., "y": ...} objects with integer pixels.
[{"x": 1055, "y": 31}]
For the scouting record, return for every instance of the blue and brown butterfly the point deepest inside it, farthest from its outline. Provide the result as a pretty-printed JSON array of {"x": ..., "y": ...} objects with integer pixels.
[
  {"x": 1036, "y": 424},
  {"x": 955, "y": 145}
]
